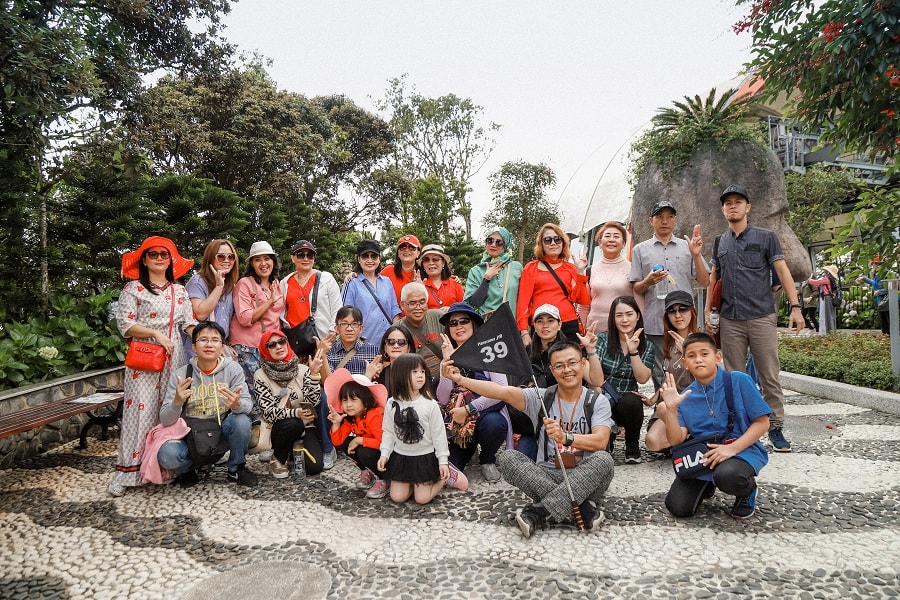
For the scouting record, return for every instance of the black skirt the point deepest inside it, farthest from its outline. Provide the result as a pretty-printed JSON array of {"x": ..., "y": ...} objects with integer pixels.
[{"x": 413, "y": 469}]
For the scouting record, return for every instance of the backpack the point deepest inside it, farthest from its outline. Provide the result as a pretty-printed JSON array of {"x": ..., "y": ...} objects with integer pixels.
[
  {"x": 550, "y": 396},
  {"x": 837, "y": 294},
  {"x": 206, "y": 443}
]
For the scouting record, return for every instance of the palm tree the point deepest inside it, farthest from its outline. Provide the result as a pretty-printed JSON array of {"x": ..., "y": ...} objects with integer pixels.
[{"x": 709, "y": 115}]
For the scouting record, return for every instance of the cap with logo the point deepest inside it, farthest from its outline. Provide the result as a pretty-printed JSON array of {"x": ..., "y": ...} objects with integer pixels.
[
  {"x": 303, "y": 245},
  {"x": 734, "y": 189},
  {"x": 662, "y": 204},
  {"x": 546, "y": 309}
]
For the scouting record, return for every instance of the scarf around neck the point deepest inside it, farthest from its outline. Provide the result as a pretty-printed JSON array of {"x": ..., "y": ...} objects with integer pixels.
[{"x": 281, "y": 372}]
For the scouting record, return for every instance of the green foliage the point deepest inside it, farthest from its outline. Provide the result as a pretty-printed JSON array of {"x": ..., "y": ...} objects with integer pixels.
[
  {"x": 859, "y": 310},
  {"x": 870, "y": 230},
  {"x": 838, "y": 62},
  {"x": 521, "y": 204},
  {"x": 678, "y": 132},
  {"x": 861, "y": 360},
  {"x": 430, "y": 209},
  {"x": 813, "y": 197},
  {"x": 79, "y": 335}
]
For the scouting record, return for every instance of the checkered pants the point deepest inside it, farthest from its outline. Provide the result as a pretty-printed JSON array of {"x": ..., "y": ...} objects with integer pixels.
[{"x": 589, "y": 480}]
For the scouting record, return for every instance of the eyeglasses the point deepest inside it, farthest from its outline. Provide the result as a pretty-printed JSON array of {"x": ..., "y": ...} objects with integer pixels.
[
  {"x": 369, "y": 256},
  {"x": 415, "y": 303},
  {"x": 432, "y": 259},
  {"x": 552, "y": 239},
  {"x": 673, "y": 310},
  {"x": 154, "y": 254},
  {"x": 272, "y": 344},
  {"x": 566, "y": 365},
  {"x": 458, "y": 322},
  {"x": 392, "y": 342},
  {"x": 406, "y": 247},
  {"x": 208, "y": 341},
  {"x": 305, "y": 255},
  {"x": 353, "y": 325},
  {"x": 224, "y": 257},
  {"x": 492, "y": 241}
]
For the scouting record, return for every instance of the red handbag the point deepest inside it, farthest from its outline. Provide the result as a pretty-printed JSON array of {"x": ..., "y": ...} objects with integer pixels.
[{"x": 147, "y": 356}]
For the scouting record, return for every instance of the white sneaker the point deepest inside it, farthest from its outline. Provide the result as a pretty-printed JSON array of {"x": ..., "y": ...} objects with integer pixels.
[
  {"x": 328, "y": 459},
  {"x": 116, "y": 489},
  {"x": 265, "y": 456}
]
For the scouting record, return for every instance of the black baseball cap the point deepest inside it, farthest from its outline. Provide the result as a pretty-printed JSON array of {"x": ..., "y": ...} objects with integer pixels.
[
  {"x": 660, "y": 206},
  {"x": 734, "y": 189}
]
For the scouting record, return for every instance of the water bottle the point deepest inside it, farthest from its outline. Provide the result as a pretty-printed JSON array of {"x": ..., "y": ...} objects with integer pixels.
[
  {"x": 714, "y": 320},
  {"x": 299, "y": 461},
  {"x": 662, "y": 288}
]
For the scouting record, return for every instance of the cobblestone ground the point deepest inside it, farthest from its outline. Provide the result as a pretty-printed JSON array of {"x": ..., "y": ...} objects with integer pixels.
[{"x": 826, "y": 526}]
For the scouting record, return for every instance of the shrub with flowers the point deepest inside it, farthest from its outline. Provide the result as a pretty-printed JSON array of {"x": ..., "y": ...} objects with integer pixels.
[{"x": 859, "y": 309}]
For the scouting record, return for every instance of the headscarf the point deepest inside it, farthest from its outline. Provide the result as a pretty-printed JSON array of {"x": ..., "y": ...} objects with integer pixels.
[
  {"x": 507, "y": 251},
  {"x": 283, "y": 371}
]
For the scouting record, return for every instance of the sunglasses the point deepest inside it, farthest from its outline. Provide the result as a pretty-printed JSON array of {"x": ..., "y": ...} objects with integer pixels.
[
  {"x": 552, "y": 239},
  {"x": 672, "y": 310},
  {"x": 458, "y": 322},
  {"x": 392, "y": 342},
  {"x": 224, "y": 257},
  {"x": 432, "y": 259},
  {"x": 406, "y": 247},
  {"x": 154, "y": 254},
  {"x": 305, "y": 255},
  {"x": 369, "y": 256},
  {"x": 492, "y": 241},
  {"x": 271, "y": 345}
]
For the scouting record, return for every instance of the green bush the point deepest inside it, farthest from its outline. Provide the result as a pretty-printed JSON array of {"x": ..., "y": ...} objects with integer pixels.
[
  {"x": 862, "y": 360},
  {"x": 80, "y": 334}
]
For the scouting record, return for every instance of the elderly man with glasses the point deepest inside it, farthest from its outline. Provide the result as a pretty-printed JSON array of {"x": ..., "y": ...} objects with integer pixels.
[{"x": 424, "y": 325}]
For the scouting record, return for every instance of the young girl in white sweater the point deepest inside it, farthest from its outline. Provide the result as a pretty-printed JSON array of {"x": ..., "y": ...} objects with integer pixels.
[{"x": 414, "y": 449}]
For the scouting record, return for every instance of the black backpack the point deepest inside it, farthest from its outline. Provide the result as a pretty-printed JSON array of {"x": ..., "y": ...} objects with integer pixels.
[
  {"x": 837, "y": 294},
  {"x": 206, "y": 442}
]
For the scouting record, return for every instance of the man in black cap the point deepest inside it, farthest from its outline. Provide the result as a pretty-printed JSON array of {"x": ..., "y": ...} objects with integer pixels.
[
  {"x": 663, "y": 264},
  {"x": 743, "y": 261}
]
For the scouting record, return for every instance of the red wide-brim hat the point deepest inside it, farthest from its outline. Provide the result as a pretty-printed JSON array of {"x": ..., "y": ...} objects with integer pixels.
[
  {"x": 131, "y": 260},
  {"x": 335, "y": 381}
]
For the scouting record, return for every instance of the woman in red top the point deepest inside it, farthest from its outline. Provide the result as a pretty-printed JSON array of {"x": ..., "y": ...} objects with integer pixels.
[
  {"x": 404, "y": 269},
  {"x": 538, "y": 285},
  {"x": 443, "y": 288},
  {"x": 356, "y": 412}
]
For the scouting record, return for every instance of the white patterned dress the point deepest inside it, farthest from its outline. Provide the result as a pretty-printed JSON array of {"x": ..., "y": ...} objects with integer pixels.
[{"x": 144, "y": 390}]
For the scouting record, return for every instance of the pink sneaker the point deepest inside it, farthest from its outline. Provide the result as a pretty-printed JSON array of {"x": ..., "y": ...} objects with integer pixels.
[
  {"x": 366, "y": 479},
  {"x": 457, "y": 479},
  {"x": 378, "y": 490}
]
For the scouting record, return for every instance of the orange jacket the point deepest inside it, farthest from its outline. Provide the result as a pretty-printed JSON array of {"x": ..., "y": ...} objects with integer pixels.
[{"x": 368, "y": 427}]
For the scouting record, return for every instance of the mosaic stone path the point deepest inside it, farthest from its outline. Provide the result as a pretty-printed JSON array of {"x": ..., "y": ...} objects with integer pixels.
[{"x": 827, "y": 526}]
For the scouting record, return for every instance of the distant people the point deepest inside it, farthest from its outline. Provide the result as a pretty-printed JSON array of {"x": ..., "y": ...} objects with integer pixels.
[
  {"x": 443, "y": 288},
  {"x": 154, "y": 308},
  {"x": 210, "y": 287},
  {"x": 663, "y": 264},
  {"x": 881, "y": 294},
  {"x": 809, "y": 297},
  {"x": 627, "y": 357},
  {"x": 214, "y": 389},
  {"x": 551, "y": 279},
  {"x": 478, "y": 422},
  {"x": 578, "y": 425},
  {"x": 610, "y": 275},
  {"x": 827, "y": 284},
  {"x": 495, "y": 279},
  {"x": 304, "y": 288},
  {"x": 702, "y": 410},
  {"x": 748, "y": 319},
  {"x": 371, "y": 292},
  {"x": 258, "y": 305},
  {"x": 425, "y": 326},
  {"x": 405, "y": 267}
]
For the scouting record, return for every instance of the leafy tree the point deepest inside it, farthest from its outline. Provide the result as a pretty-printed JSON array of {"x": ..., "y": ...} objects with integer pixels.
[
  {"x": 390, "y": 190},
  {"x": 872, "y": 230},
  {"x": 521, "y": 204},
  {"x": 442, "y": 136},
  {"x": 838, "y": 62},
  {"x": 430, "y": 209},
  {"x": 813, "y": 197}
]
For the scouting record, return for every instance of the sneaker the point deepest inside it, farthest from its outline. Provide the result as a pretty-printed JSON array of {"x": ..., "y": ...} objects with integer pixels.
[
  {"x": 632, "y": 453},
  {"x": 188, "y": 479},
  {"x": 378, "y": 490},
  {"x": 243, "y": 476},
  {"x": 116, "y": 489},
  {"x": 328, "y": 459},
  {"x": 366, "y": 479},
  {"x": 490, "y": 472},
  {"x": 278, "y": 469},
  {"x": 530, "y": 519},
  {"x": 265, "y": 455},
  {"x": 591, "y": 516},
  {"x": 776, "y": 436},
  {"x": 457, "y": 479},
  {"x": 744, "y": 506}
]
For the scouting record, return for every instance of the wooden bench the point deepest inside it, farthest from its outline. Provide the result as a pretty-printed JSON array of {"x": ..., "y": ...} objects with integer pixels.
[{"x": 58, "y": 410}]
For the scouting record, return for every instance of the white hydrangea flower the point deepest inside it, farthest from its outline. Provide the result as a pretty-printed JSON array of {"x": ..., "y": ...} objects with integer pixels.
[{"x": 48, "y": 352}]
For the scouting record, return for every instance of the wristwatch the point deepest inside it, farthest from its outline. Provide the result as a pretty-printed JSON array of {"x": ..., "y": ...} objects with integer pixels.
[
  {"x": 633, "y": 353},
  {"x": 471, "y": 408},
  {"x": 570, "y": 439},
  {"x": 793, "y": 306}
]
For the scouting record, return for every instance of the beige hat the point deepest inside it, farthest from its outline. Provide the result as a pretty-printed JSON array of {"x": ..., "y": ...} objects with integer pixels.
[
  {"x": 831, "y": 269},
  {"x": 260, "y": 248},
  {"x": 435, "y": 249}
]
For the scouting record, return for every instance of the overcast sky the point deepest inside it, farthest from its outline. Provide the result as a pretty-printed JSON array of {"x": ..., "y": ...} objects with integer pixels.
[{"x": 569, "y": 82}]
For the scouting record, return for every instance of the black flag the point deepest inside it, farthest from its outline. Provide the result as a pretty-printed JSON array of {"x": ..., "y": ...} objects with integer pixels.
[{"x": 496, "y": 346}]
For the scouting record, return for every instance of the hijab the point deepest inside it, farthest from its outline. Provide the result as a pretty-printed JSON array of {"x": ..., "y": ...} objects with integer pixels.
[
  {"x": 282, "y": 371},
  {"x": 487, "y": 259}
]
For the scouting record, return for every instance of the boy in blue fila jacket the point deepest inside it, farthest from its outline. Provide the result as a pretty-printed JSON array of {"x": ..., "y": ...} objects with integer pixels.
[{"x": 702, "y": 410}]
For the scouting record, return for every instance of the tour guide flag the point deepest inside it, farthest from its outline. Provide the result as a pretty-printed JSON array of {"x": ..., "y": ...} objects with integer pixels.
[{"x": 496, "y": 346}]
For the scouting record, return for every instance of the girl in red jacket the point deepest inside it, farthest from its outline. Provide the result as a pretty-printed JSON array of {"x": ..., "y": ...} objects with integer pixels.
[{"x": 356, "y": 409}]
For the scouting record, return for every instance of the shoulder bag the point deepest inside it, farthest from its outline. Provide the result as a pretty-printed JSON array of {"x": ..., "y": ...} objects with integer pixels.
[
  {"x": 301, "y": 337},
  {"x": 206, "y": 442},
  {"x": 149, "y": 356}
]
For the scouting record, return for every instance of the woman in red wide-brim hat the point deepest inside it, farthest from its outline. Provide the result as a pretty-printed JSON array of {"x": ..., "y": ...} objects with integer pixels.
[{"x": 152, "y": 308}]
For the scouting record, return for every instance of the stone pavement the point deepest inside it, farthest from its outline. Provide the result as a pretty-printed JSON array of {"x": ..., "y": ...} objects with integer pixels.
[{"x": 827, "y": 526}]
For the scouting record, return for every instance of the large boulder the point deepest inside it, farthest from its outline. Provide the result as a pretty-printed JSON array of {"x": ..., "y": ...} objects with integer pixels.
[{"x": 695, "y": 193}]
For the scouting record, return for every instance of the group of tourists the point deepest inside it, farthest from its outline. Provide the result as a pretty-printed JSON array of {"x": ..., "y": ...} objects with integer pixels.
[{"x": 296, "y": 367}]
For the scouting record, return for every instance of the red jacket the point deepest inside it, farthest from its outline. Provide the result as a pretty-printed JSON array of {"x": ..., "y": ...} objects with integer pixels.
[
  {"x": 367, "y": 426},
  {"x": 537, "y": 287}
]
